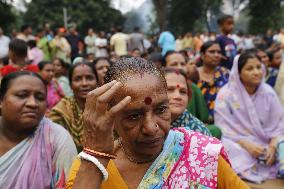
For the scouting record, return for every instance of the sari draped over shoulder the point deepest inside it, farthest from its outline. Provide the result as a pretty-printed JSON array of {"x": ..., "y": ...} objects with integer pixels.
[
  {"x": 68, "y": 114},
  {"x": 188, "y": 160},
  {"x": 256, "y": 118},
  {"x": 40, "y": 161},
  {"x": 189, "y": 121}
]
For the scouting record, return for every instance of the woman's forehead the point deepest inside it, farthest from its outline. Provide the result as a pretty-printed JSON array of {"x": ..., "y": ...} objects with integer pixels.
[{"x": 145, "y": 89}]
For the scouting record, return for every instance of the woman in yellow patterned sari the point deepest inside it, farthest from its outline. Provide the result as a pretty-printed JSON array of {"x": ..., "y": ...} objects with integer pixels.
[{"x": 68, "y": 112}]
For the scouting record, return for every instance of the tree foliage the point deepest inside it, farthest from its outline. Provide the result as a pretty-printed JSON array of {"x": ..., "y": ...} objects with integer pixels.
[
  {"x": 84, "y": 13},
  {"x": 180, "y": 16},
  {"x": 264, "y": 15},
  {"x": 7, "y": 16}
]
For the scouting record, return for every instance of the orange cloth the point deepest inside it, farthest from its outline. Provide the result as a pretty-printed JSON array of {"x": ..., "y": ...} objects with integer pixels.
[{"x": 227, "y": 178}]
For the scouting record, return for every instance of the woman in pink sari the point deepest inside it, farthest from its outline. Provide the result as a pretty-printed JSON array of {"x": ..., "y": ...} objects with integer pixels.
[
  {"x": 54, "y": 91},
  {"x": 252, "y": 121}
]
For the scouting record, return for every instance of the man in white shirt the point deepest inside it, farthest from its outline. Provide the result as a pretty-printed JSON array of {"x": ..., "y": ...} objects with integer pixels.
[
  {"x": 118, "y": 42},
  {"x": 90, "y": 41},
  {"x": 4, "y": 44},
  {"x": 26, "y": 33}
]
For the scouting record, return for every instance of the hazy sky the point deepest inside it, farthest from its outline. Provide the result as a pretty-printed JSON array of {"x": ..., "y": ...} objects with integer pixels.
[
  {"x": 126, "y": 5},
  {"x": 123, "y": 5}
]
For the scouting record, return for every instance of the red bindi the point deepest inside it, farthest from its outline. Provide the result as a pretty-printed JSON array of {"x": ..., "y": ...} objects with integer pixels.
[
  {"x": 178, "y": 86},
  {"x": 148, "y": 100}
]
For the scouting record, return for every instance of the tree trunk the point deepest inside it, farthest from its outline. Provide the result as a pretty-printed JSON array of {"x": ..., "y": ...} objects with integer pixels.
[{"x": 161, "y": 9}]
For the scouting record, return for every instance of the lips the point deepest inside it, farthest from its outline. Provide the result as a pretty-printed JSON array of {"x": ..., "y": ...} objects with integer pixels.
[
  {"x": 151, "y": 142},
  {"x": 30, "y": 114},
  {"x": 85, "y": 91},
  {"x": 176, "y": 104}
]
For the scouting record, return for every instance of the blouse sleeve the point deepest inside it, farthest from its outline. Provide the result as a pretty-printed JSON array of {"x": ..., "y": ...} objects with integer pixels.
[{"x": 227, "y": 178}]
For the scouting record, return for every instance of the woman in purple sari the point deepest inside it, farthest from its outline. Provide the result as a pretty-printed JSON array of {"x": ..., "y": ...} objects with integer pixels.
[
  {"x": 252, "y": 121},
  {"x": 35, "y": 153}
]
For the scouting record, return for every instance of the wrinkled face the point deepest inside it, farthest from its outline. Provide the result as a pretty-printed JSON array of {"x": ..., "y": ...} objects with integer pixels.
[
  {"x": 263, "y": 57},
  {"x": 177, "y": 94},
  {"x": 47, "y": 73},
  {"x": 24, "y": 104},
  {"x": 176, "y": 61},
  {"x": 228, "y": 26},
  {"x": 212, "y": 56},
  {"x": 144, "y": 124},
  {"x": 58, "y": 68},
  {"x": 83, "y": 81},
  {"x": 276, "y": 61},
  {"x": 251, "y": 73}
]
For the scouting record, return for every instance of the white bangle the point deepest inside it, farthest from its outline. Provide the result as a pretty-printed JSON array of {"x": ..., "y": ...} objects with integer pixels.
[{"x": 95, "y": 161}]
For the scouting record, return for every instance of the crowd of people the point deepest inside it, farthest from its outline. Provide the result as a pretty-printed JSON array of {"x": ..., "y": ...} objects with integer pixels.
[{"x": 117, "y": 110}]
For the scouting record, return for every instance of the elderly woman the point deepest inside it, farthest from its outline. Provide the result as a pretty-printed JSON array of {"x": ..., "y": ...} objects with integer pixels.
[
  {"x": 179, "y": 95},
  {"x": 252, "y": 120},
  {"x": 212, "y": 76},
  {"x": 68, "y": 112},
  {"x": 134, "y": 102},
  {"x": 34, "y": 152}
]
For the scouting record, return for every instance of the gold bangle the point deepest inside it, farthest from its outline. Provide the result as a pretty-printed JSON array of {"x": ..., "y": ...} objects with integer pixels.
[{"x": 100, "y": 154}]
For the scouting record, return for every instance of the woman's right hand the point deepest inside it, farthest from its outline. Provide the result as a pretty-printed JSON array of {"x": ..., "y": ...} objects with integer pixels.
[
  {"x": 99, "y": 118},
  {"x": 254, "y": 149}
]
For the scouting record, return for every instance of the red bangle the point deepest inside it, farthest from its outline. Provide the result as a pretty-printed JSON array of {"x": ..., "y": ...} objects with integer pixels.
[{"x": 99, "y": 154}]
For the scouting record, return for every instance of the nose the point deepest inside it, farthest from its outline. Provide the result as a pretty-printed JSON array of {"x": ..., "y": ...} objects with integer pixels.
[
  {"x": 84, "y": 82},
  {"x": 150, "y": 127},
  {"x": 31, "y": 102},
  {"x": 176, "y": 94}
]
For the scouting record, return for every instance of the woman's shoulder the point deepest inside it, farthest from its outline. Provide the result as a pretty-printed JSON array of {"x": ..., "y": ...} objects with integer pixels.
[
  {"x": 58, "y": 135},
  {"x": 56, "y": 130}
]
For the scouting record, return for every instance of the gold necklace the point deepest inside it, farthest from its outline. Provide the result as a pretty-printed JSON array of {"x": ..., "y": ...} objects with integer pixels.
[{"x": 131, "y": 159}]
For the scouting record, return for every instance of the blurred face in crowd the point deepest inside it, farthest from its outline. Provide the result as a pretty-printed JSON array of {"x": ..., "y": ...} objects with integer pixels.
[
  {"x": 24, "y": 103},
  {"x": 251, "y": 73},
  {"x": 212, "y": 56},
  {"x": 263, "y": 57},
  {"x": 90, "y": 31},
  {"x": 227, "y": 26},
  {"x": 276, "y": 60},
  {"x": 177, "y": 61},
  {"x": 58, "y": 67},
  {"x": 102, "y": 66},
  {"x": 178, "y": 93},
  {"x": 83, "y": 81},
  {"x": 136, "y": 53},
  {"x": 47, "y": 72}
]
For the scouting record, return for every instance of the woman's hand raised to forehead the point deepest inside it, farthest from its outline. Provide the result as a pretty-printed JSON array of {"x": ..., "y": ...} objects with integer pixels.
[{"x": 99, "y": 119}]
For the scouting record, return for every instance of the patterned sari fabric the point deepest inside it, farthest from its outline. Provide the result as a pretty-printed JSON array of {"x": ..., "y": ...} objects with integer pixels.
[
  {"x": 42, "y": 160},
  {"x": 210, "y": 90},
  {"x": 188, "y": 160},
  {"x": 189, "y": 121},
  {"x": 68, "y": 114}
]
